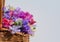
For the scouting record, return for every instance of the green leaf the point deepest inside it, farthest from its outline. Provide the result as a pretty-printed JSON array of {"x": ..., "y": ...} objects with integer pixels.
[{"x": 15, "y": 23}]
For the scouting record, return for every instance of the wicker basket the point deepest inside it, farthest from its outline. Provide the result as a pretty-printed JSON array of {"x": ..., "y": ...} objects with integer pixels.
[{"x": 6, "y": 36}]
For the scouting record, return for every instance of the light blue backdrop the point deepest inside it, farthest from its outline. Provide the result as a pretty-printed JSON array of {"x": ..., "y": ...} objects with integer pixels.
[{"x": 47, "y": 15}]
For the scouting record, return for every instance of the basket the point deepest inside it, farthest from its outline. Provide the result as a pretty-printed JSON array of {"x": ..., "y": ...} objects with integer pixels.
[{"x": 6, "y": 36}]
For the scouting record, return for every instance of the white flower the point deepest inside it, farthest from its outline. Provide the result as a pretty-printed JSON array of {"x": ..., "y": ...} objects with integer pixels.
[{"x": 14, "y": 29}]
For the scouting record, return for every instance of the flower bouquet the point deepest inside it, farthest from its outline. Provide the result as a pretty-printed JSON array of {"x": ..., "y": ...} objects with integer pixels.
[{"x": 17, "y": 21}]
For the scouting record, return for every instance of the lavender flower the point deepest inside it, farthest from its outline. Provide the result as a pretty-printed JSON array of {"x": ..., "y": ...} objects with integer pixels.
[
  {"x": 7, "y": 16},
  {"x": 14, "y": 29},
  {"x": 17, "y": 9},
  {"x": 30, "y": 32}
]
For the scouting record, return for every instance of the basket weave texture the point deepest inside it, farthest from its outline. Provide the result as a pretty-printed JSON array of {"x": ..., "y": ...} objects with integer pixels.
[{"x": 6, "y": 36}]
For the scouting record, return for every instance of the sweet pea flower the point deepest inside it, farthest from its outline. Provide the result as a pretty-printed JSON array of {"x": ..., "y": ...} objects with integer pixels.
[
  {"x": 5, "y": 9},
  {"x": 24, "y": 22},
  {"x": 6, "y": 16},
  {"x": 30, "y": 32},
  {"x": 27, "y": 27},
  {"x": 11, "y": 22},
  {"x": 28, "y": 16},
  {"x": 18, "y": 9},
  {"x": 14, "y": 18},
  {"x": 14, "y": 29},
  {"x": 21, "y": 15},
  {"x": 11, "y": 13},
  {"x": 5, "y": 22},
  {"x": 23, "y": 30},
  {"x": 33, "y": 27},
  {"x": 32, "y": 21}
]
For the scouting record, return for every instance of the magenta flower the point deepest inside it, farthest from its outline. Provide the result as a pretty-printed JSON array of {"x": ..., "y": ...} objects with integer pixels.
[{"x": 21, "y": 15}]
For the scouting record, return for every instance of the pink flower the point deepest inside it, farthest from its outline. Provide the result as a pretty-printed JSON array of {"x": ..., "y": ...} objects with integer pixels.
[
  {"x": 32, "y": 22},
  {"x": 28, "y": 16},
  {"x": 11, "y": 12},
  {"x": 6, "y": 22}
]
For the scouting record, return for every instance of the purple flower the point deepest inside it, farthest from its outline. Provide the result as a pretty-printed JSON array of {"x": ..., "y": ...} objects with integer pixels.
[
  {"x": 30, "y": 32},
  {"x": 14, "y": 18},
  {"x": 27, "y": 27},
  {"x": 21, "y": 15},
  {"x": 17, "y": 9},
  {"x": 6, "y": 16},
  {"x": 23, "y": 30},
  {"x": 24, "y": 22}
]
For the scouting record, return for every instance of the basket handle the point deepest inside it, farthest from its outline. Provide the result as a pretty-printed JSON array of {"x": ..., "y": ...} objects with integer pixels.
[{"x": 2, "y": 2}]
